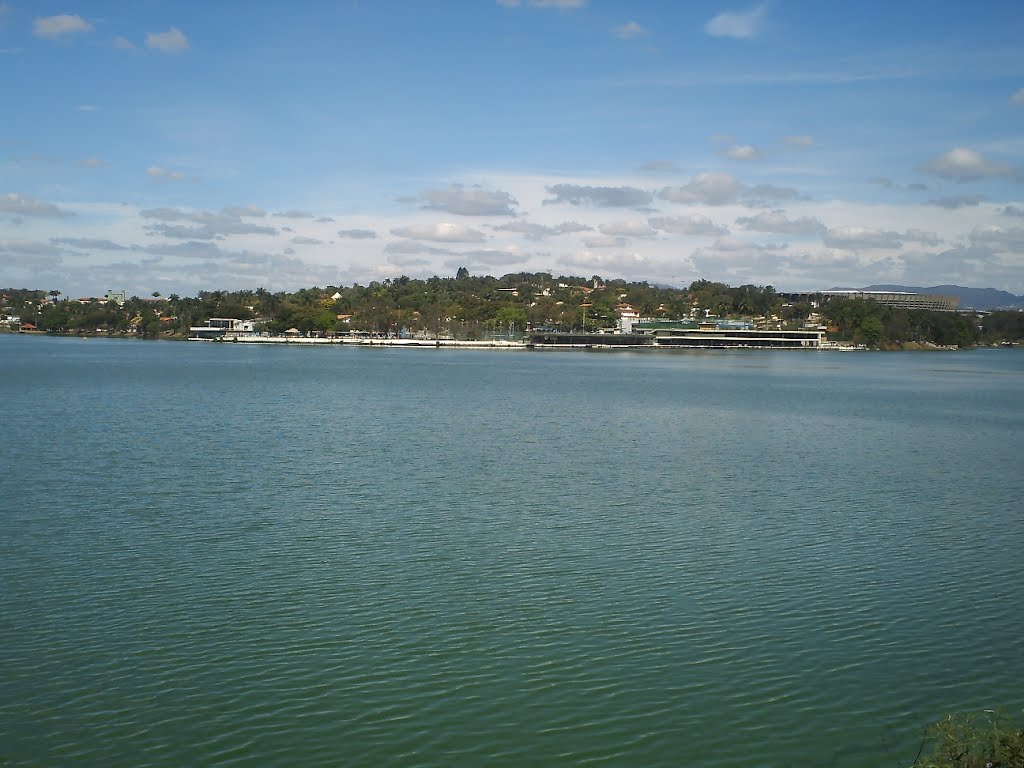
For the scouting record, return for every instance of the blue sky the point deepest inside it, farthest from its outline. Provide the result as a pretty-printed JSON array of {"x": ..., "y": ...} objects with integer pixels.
[{"x": 178, "y": 147}]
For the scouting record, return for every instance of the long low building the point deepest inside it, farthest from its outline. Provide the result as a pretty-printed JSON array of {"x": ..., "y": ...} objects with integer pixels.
[
  {"x": 904, "y": 299},
  {"x": 685, "y": 334}
]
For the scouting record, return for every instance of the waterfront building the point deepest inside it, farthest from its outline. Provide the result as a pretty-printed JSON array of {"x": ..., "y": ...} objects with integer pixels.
[
  {"x": 904, "y": 299},
  {"x": 706, "y": 334},
  {"x": 223, "y": 327}
]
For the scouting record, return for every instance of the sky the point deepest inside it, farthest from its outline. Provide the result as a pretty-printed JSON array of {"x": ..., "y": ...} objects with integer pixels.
[{"x": 156, "y": 145}]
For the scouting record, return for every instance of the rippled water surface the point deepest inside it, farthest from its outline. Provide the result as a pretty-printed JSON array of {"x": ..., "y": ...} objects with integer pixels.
[{"x": 234, "y": 555}]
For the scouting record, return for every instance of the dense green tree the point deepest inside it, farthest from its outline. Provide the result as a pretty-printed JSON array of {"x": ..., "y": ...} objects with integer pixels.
[{"x": 984, "y": 740}]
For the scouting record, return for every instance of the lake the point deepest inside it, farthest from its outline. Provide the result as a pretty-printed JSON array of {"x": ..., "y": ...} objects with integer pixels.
[{"x": 249, "y": 555}]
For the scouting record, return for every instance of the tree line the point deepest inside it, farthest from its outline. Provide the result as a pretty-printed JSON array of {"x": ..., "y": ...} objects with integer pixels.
[{"x": 468, "y": 306}]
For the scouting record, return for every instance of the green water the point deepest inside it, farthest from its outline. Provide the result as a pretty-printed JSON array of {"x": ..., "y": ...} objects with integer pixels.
[{"x": 228, "y": 555}]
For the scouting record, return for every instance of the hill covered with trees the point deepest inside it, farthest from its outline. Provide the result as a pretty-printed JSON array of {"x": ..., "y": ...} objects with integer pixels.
[{"x": 467, "y": 306}]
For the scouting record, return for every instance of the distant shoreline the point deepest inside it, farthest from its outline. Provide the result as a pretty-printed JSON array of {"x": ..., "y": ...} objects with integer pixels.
[{"x": 479, "y": 344}]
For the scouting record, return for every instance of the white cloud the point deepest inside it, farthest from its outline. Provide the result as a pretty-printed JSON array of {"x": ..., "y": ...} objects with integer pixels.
[
  {"x": 999, "y": 238},
  {"x": 29, "y": 248},
  {"x": 89, "y": 243},
  {"x": 441, "y": 233},
  {"x": 190, "y": 250},
  {"x": 629, "y": 30},
  {"x": 357, "y": 234},
  {"x": 23, "y": 205},
  {"x": 707, "y": 188},
  {"x": 627, "y": 229},
  {"x": 922, "y": 236},
  {"x": 203, "y": 225},
  {"x": 1018, "y": 97},
  {"x": 776, "y": 222},
  {"x": 859, "y": 238},
  {"x": 611, "y": 197},
  {"x": 962, "y": 165},
  {"x": 742, "y": 152},
  {"x": 737, "y": 24},
  {"x": 694, "y": 224},
  {"x": 469, "y": 201},
  {"x": 957, "y": 201},
  {"x": 294, "y": 214},
  {"x": 605, "y": 241},
  {"x": 760, "y": 192},
  {"x": 411, "y": 246},
  {"x": 158, "y": 172},
  {"x": 52, "y": 27},
  {"x": 123, "y": 43},
  {"x": 621, "y": 263},
  {"x": 253, "y": 211},
  {"x": 171, "y": 41},
  {"x": 532, "y": 231}
]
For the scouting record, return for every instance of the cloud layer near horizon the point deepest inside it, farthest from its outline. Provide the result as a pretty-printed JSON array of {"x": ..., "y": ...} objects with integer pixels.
[{"x": 162, "y": 150}]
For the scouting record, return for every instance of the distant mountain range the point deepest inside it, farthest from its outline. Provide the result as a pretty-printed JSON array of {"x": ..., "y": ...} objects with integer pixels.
[{"x": 973, "y": 298}]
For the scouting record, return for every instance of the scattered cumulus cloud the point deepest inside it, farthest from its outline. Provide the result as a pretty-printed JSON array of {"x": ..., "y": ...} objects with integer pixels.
[
  {"x": 294, "y": 214},
  {"x": 124, "y": 44},
  {"x": 23, "y": 205},
  {"x": 324, "y": 220},
  {"x": 251, "y": 211},
  {"x": 621, "y": 262},
  {"x": 158, "y": 172},
  {"x": 957, "y": 201},
  {"x": 301, "y": 240},
  {"x": 357, "y": 234},
  {"x": 736, "y": 24},
  {"x": 190, "y": 250},
  {"x": 962, "y": 165},
  {"x": 469, "y": 201},
  {"x": 921, "y": 236},
  {"x": 999, "y": 238},
  {"x": 411, "y": 247},
  {"x": 171, "y": 41},
  {"x": 742, "y": 152},
  {"x": 609, "y": 197},
  {"x": 54, "y": 27},
  {"x": 441, "y": 233},
  {"x": 532, "y": 231},
  {"x": 776, "y": 222},
  {"x": 629, "y": 30},
  {"x": 605, "y": 241},
  {"x": 694, "y": 224},
  {"x": 487, "y": 258},
  {"x": 202, "y": 225},
  {"x": 89, "y": 243},
  {"x": 861, "y": 238},
  {"x": 705, "y": 188},
  {"x": 29, "y": 248},
  {"x": 627, "y": 229},
  {"x": 761, "y": 192}
]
